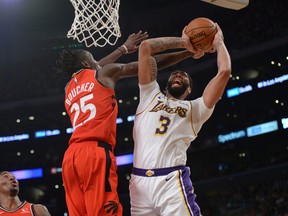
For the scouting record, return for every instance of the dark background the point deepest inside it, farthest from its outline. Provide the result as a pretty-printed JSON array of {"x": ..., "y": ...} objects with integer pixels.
[{"x": 241, "y": 177}]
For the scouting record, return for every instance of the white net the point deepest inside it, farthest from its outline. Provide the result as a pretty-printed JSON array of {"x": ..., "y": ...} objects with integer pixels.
[{"x": 95, "y": 22}]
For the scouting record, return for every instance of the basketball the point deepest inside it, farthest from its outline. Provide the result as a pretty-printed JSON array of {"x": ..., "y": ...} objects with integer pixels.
[{"x": 201, "y": 32}]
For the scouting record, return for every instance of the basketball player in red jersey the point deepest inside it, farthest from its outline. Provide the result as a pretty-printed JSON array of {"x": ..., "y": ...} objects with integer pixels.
[
  {"x": 10, "y": 203},
  {"x": 89, "y": 165}
]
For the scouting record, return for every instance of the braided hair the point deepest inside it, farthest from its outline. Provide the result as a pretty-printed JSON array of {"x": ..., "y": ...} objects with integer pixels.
[{"x": 71, "y": 61}]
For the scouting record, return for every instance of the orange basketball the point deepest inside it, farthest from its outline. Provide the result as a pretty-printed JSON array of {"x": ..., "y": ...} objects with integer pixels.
[{"x": 201, "y": 32}]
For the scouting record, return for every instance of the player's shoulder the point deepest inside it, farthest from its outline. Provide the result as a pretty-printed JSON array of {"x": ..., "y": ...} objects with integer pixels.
[
  {"x": 197, "y": 100},
  {"x": 152, "y": 86},
  {"x": 40, "y": 209}
]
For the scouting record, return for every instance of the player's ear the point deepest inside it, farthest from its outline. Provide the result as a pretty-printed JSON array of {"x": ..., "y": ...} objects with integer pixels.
[
  {"x": 165, "y": 90},
  {"x": 85, "y": 64}
]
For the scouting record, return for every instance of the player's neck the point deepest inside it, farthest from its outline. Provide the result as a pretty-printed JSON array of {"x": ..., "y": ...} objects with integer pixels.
[
  {"x": 10, "y": 203},
  {"x": 170, "y": 97}
]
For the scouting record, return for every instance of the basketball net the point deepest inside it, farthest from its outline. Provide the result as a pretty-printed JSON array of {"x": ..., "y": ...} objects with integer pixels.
[{"x": 95, "y": 22}]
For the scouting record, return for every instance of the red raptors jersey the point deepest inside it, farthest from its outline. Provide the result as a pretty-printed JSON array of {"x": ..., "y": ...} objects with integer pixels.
[
  {"x": 92, "y": 108},
  {"x": 24, "y": 209}
]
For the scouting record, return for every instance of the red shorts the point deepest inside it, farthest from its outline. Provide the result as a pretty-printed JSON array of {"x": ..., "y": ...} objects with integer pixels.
[{"x": 90, "y": 180}]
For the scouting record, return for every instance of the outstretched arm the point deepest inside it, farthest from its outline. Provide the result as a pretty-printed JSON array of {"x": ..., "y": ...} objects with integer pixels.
[
  {"x": 215, "y": 88},
  {"x": 169, "y": 59},
  {"x": 130, "y": 46},
  {"x": 111, "y": 73},
  {"x": 147, "y": 71}
]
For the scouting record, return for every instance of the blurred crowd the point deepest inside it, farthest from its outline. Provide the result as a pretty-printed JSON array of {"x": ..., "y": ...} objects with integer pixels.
[{"x": 266, "y": 199}]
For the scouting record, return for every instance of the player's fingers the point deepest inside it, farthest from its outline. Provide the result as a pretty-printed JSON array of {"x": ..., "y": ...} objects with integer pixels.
[
  {"x": 131, "y": 35},
  {"x": 184, "y": 35},
  {"x": 138, "y": 33},
  {"x": 212, "y": 50},
  {"x": 183, "y": 31},
  {"x": 141, "y": 37},
  {"x": 197, "y": 55}
]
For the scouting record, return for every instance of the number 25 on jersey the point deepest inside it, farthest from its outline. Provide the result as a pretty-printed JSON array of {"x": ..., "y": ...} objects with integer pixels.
[{"x": 81, "y": 108}]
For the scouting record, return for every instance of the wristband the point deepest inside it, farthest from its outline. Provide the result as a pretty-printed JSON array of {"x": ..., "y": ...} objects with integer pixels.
[
  {"x": 125, "y": 48},
  {"x": 119, "y": 48}
]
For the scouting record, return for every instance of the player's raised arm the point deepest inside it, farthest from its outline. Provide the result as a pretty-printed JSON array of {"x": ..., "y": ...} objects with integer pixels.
[
  {"x": 147, "y": 71},
  {"x": 130, "y": 46},
  {"x": 111, "y": 73},
  {"x": 215, "y": 88}
]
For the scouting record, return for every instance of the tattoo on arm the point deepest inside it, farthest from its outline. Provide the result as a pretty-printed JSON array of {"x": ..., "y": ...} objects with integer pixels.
[
  {"x": 161, "y": 44},
  {"x": 152, "y": 68}
]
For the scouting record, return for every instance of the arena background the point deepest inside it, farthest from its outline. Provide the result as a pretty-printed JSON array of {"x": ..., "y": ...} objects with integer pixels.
[{"x": 239, "y": 161}]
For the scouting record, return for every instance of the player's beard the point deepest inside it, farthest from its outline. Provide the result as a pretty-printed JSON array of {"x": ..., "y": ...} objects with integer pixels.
[
  {"x": 14, "y": 191},
  {"x": 176, "y": 92}
]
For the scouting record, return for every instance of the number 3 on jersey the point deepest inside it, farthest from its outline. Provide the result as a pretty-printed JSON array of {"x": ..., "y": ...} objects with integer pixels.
[
  {"x": 82, "y": 108},
  {"x": 165, "y": 121}
]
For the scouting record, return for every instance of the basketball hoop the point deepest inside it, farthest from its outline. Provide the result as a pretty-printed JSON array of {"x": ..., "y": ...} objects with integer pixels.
[{"x": 95, "y": 22}]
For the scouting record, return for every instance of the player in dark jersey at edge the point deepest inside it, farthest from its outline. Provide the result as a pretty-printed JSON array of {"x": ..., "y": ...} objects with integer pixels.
[
  {"x": 10, "y": 203},
  {"x": 89, "y": 165}
]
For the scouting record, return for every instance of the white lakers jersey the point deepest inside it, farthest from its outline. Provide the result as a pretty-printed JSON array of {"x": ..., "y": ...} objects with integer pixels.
[{"x": 164, "y": 128}]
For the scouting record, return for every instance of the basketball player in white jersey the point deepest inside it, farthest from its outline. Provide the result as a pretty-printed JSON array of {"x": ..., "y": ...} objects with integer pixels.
[{"x": 164, "y": 127}]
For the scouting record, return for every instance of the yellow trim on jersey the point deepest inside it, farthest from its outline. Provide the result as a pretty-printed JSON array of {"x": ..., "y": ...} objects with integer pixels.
[
  {"x": 192, "y": 119},
  {"x": 148, "y": 104},
  {"x": 182, "y": 193}
]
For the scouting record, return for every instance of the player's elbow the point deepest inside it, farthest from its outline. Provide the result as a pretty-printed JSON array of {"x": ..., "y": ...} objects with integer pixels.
[
  {"x": 225, "y": 73},
  {"x": 145, "y": 47}
]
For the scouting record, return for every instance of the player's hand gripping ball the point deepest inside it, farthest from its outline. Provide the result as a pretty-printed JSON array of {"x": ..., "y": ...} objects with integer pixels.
[{"x": 201, "y": 32}]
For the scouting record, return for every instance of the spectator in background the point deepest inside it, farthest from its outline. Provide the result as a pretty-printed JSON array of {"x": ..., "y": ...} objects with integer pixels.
[{"x": 10, "y": 203}]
